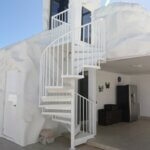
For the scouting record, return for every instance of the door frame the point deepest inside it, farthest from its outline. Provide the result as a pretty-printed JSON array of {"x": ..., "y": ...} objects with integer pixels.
[{"x": 4, "y": 108}]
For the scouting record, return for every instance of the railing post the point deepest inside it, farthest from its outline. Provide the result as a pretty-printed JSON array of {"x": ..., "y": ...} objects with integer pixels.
[
  {"x": 94, "y": 119},
  {"x": 73, "y": 119},
  {"x": 72, "y": 51}
]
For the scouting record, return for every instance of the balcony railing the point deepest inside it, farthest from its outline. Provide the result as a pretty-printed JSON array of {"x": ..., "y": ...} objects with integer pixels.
[{"x": 60, "y": 19}]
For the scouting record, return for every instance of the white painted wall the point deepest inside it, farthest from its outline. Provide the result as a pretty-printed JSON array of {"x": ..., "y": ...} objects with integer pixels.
[
  {"x": 143, "y": 85},
  {"x": 24, "y": 57},
  {"x": 108, "y": 96},
  {"x": 127, "y": 30},
  {"x": 46, "y": 14}
]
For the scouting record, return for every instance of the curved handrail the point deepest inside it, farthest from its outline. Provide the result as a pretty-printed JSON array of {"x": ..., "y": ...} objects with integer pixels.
[
  {"x": 69, "y": 32},
  {"x": 64, "y": 56},
  {"x": 55, "y": 16}
]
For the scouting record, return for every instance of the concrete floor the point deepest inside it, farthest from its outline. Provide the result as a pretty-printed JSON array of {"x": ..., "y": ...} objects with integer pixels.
[
  {"x": 124, "y": 136},
  {"x": 60, "y": 144}
]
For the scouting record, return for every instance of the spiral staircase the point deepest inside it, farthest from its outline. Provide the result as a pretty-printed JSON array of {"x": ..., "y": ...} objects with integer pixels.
[{"x": 62, "y": 63}]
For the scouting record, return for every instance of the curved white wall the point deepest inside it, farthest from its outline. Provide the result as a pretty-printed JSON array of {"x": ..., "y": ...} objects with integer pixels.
[
  {"x": 127, "y": 30},
  {"x": 24, "y": 57}
]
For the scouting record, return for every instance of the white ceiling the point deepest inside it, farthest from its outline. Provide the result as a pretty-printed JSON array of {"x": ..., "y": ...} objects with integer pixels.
[{"x": 139, "y": 65}]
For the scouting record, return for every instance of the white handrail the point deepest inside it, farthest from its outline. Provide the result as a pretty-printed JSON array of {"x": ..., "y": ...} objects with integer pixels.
[
  {"x": 85, "y": 114},
  {"x": 60, "y": 19},
  {"x": 68, "y": 54},
  {"x": 55, "y": 16},
  {"x": 90, "y": 101}
]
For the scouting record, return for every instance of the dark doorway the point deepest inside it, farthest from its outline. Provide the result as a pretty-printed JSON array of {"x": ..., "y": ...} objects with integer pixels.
[
  {"x": 57, "y": 6},
  {"x": 83, "y": 90},
  {"x": 83, "y": 85}
]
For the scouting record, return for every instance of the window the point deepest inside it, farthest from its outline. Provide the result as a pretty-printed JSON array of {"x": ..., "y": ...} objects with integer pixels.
[
  {"x": 58, "y": 6},
  {"x": 86, "y": 32},
  {"x": 86, "y": 16}
]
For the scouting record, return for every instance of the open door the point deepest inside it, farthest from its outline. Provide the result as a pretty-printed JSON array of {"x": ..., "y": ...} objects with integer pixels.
[{"x": 10, "y": 109}]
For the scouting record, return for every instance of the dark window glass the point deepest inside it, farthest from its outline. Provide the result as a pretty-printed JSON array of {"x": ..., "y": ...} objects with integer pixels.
[
  {"x": 58, "y": 6},
  {"x": 86, "y": 31},
  {"x": 86, "y": 16}
]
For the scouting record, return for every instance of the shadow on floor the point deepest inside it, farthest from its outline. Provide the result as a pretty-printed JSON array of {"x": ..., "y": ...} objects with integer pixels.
[{"x": 61, "y": 143}]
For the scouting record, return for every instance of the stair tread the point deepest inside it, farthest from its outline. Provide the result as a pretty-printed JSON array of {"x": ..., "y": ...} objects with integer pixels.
[
  {"x": 55, "y": 103},
  {"x": 58, "y": 88},
  {"x": 65, "y": 97},
  {"x": 62, "y": 119},
  {"x": 73, "y": 76},
  {"x": 58, "y": 107},
  {"x": 53, "y": 113}
]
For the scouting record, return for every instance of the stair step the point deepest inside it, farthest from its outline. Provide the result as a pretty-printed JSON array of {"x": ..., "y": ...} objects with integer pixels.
[
  {"x": 73, "y": 76},
  {"x": 55, "y": 102},
  {"x": 91, "y": 66},
  {"x": 57, "y": 99},
  {"x": 59, "y": 89},
  {"x": 56, "y": 114},
  {"x": 58, "y": 107},
  {"x": 62, "y": 119}
]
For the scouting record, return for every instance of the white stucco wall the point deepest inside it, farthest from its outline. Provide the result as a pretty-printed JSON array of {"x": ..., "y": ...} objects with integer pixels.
[
  {"x": 46, "y": 14},
  {"x": 108, "y": 96},
  {"x": 24, "y": 57},
  {"x": 127, "y": 30}
]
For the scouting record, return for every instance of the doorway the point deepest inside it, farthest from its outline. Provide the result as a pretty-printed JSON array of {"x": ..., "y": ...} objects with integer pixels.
[
  {"x": 10, "y": 107},
  {"x": 83, "y": 90}
]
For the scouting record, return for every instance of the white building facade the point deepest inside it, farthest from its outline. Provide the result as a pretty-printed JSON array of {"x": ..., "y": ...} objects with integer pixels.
[{"x": 78, "y": 36}]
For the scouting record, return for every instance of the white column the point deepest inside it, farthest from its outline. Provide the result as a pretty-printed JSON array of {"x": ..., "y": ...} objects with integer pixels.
[
  {"x": 92, "y": 95},
  {"x": 75, "y": 22},
  {"x": 75, "y": 13},
  {"x": 46, "y": 14},
  {"x": 75, "y": 17}
]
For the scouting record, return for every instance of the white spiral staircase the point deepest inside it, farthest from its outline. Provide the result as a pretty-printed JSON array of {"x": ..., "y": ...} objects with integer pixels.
[{"x": 64, "y": 61}]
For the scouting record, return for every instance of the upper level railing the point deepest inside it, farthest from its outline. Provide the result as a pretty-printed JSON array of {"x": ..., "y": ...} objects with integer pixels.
[
  {"x": 60, "y": 19},
  {"x": 67, "y": 55}
]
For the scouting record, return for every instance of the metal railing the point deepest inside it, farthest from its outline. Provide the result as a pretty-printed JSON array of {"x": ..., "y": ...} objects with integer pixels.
[
  {"x": 85, "y": 115},
  {"x": 70, "y": 53},
  {"x": 67, "y": 56},
  {"x": 60, "y": 19}
]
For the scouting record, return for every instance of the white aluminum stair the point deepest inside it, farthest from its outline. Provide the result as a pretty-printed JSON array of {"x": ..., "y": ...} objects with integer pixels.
[
  {"x": 57, "y": 98},
  {"x": 56, "y": 112},
  {"x": 62, "y": 63},
  {"x": 65, "y": 120}
]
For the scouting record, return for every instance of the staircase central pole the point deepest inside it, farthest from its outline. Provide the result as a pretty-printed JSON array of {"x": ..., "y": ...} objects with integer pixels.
[{"x": 75, "y": 8}]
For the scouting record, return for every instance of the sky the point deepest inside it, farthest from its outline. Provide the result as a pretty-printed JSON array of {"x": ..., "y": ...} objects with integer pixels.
[{"x": 19, "y": 19}]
